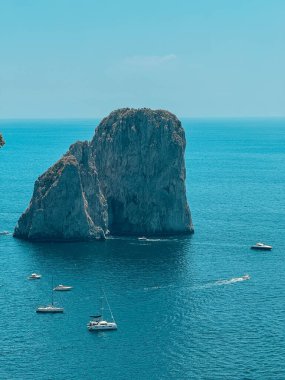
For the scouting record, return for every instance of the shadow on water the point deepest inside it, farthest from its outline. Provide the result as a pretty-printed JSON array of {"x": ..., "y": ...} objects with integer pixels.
[{"x": 132, "y": 263}]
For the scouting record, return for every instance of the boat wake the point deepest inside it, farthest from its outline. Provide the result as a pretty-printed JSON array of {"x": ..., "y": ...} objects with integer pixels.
[
  {"x": 156, "y": 287},
  {"x": 5, "y": 233},
  {"x": 230, "y": 281},
  {"x": 144, "y": 239},
  {"x": 149, "y": 239}
]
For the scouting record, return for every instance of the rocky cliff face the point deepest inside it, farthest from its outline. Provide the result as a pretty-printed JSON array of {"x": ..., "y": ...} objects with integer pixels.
[
  {"x": 67, "y": 203},
  {"x": 129, "y": 180}
]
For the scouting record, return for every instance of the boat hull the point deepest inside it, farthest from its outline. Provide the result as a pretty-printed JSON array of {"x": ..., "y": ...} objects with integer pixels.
[
  {"x": 261, "y": 248},
  {"x": 49, "y": 311},
  {"x": 101, "y": 328}
]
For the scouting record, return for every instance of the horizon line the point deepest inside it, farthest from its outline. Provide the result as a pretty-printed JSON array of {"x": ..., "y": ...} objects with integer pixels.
[{"x": 68, "y": 118}]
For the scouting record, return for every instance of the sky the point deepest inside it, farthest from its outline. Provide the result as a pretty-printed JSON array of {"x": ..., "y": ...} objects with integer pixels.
[{"x": 85, "y": 58}]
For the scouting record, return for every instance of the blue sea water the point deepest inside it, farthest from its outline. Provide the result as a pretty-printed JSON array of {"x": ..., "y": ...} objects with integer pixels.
[{"x": 182, "y": 307}]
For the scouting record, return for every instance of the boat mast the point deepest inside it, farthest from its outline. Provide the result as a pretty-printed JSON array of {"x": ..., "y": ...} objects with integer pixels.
[
  {"x": 108, "y": 305},
  {"x": 102, "y": 309},
  {"x": 52, "y": 290}
]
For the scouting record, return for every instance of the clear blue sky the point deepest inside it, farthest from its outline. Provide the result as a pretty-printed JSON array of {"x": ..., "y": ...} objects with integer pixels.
[{"x": 84, "y": 58}]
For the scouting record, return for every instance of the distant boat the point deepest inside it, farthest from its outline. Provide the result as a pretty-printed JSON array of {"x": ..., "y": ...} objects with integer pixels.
[
  {"x": 35, "y": 276},
  {"x": 62, "y": 288},
  {"x": 98, "y": 323},
  {"x": 4, "y": 233},
  {"x": 261, "y": 246},
  {"x": 50, "y": 308},
  {"x": 142, "y": 238}
]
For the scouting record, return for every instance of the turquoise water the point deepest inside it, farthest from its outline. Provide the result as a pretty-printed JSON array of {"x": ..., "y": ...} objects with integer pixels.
[{"x": 181, "y": 306}]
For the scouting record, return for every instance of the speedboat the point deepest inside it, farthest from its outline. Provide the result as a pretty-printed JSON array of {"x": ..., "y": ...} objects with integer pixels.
[
  {"x": 142, "y": 238},
  {"x": 246, "y": 277},
  {"x": 50, "y": 309},
  {"x": 62, "y": 288},
  {"x": 98, "y": 323},
  {"x": 261, "y": 246},
  {"x": 34, "y": 276}
]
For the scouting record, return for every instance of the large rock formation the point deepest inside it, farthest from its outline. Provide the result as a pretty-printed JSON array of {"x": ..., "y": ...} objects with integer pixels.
[{"x": 129, "y": 180}]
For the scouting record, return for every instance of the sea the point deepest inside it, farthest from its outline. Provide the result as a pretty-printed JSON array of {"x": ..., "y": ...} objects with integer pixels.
[{"x": 183, "y": 307}]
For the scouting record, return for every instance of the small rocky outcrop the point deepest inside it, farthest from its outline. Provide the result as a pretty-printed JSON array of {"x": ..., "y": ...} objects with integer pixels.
[
  {"x": 2, "y": 142},
  {"x": 129, "y": 180}
]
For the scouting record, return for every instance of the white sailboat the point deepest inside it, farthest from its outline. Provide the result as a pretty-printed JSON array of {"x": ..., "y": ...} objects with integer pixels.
[
  {"x": 50, "y": 308},
  {"x": 98, "y": 323}
]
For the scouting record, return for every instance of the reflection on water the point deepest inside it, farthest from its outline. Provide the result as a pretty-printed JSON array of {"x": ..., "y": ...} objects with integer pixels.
[{"x": 128, "y": 259}]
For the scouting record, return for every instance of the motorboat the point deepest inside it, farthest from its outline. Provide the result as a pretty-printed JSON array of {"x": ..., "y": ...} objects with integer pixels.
[
  {"x": 143, "y": 238},
  {"x": 35, "y": 276},
  {"x": 51, "y": 308},
  {"x": 261, "y": 246},
  {"x": 62, "y": 288},
  {"x": 246, "y": 277},
  {"x": 98, "y": 323}
]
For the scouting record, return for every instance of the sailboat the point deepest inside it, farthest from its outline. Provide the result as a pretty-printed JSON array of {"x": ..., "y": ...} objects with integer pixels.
[
  {"x": 98, "y": 323},
  {"x": 50, "y": 308}
]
